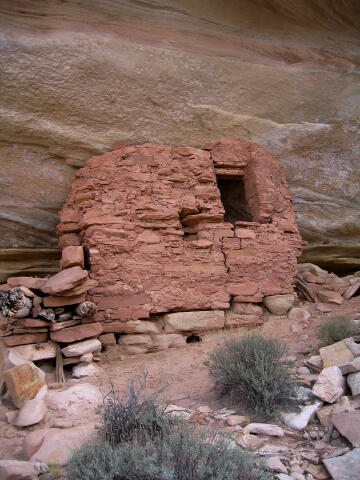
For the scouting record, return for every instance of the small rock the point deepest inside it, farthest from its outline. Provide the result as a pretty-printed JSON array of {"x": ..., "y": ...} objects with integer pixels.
[
  {"x": 323, "y": 308},
  {"x": 311, "y": 457},
  {"x": 353, "y": 346},
  {"x": 85, "y": 370},
  {"x": 348, "y": 424},
  {"x": 265, "y": 429},
  {"x": 177, "y": 411},
  {"x": 299, "y": 314},
  {"x": 329, "y": 296},
  {"x": 350, "y": 367},
  {"x": 304, "y": 394},
  {"x": 315, "y": 362},
  {"x": 60, "y": 443},
  {"x": 275, "y": 464},
  {"x": 204, "y": 409},
  {"x": 353, "y": 380},
  {"x": 299, "y": 421},
  {"x": 303, "y": 370},
  {"x": 64, "y": 280},
  {"x": 249, "y": 441},
  {"x": 283, "y": 476},
  {"x": 330, "y": 385},
  {"x": 279, "y": 304},
  {"x": 47, "y": 314},
  {"x": 62, "y": 424},
  {"x": 21, "y": 470},
  {"x": 11, "y": 416},
  {"x": 86, "y": 358},
  {"x": 297, "y": 476},
  {"x": 241, "y": 420}
]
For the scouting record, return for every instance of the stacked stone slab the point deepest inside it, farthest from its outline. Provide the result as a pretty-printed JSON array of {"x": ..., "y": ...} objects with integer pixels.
[
  {"x": 152, "y": 223},
  {"x": 39, "y": 313}
]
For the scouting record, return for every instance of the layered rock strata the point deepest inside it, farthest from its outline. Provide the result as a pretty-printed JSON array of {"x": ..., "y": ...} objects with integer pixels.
[{"x": 151, "y": 219}]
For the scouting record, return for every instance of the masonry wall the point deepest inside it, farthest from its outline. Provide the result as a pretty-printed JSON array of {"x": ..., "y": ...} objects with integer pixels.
[{"x": 152, "y": 223}]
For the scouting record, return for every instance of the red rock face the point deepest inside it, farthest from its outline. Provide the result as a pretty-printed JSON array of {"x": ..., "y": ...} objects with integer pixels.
[{"x": 152, "y": 220}]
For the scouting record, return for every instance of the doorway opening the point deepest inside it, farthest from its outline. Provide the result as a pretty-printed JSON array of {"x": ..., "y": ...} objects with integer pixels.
[{"x": 232, "y": 191}]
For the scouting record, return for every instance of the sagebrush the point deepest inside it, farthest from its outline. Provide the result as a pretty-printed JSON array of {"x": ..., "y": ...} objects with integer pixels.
[
  {"x": 183, "y": 454},
  {"x": 141, "y": 440},
  {"x": 335, "y": 329},
  {"x": 254, "y": 371},
  {"x": 124, "y": 417}
]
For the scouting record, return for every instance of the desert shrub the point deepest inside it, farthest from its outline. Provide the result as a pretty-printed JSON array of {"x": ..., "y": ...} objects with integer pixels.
[
  {"x": 135, "y": 414},
  {"x": 182, "y": 454},
  {"x": 253, "y": 370},
  {"x": 335, "y": 329}
]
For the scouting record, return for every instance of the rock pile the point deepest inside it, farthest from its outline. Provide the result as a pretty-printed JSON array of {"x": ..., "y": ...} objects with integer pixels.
[
  {"x": 40, "y": 313},
  {"x": 328, "y": 287}
]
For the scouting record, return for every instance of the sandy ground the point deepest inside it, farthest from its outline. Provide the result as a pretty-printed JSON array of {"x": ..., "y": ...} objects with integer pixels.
[{"x": 192, "y": 385}]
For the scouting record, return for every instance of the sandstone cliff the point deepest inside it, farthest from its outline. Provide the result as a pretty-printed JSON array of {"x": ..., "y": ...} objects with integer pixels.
[{"x": 78, "y": 76}]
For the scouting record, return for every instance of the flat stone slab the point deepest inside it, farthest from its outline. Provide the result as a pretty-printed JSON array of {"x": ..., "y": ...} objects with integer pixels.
[
  {"x": 345, "y": 467},
  {"x": 348, "y": 424},
  {"x": 335, "y": 354}
]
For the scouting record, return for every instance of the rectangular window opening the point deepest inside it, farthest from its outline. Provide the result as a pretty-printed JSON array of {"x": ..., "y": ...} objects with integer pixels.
[{"x": 232, "y": 191}]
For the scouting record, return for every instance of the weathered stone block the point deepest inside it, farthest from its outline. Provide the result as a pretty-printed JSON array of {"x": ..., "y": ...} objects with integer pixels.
[
  {"x": 64, "y": 280},
  {"x": 23, "y": 382},
  {"x": 194, "y": 321},
  {"x": 80, "y": 348},
  {"x": 13, "y": 340},
  {"x": 79, "y": 332},
  {"x": 72, "y": 256}
]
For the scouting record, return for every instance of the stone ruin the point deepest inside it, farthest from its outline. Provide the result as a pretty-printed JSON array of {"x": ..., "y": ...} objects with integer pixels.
[{"x": 180, "y": 241}]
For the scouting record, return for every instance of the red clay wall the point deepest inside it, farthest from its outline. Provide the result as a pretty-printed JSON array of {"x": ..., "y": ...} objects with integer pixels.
[{"x": 151, "y": 218}]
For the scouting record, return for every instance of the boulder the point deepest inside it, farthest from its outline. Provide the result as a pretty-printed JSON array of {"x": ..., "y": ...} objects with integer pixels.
[
  {"x": 336, "y": 354},
  {"x": 194, "y": 321},
  {"x": 299, "y": 420},
  {"x": 348, "y": 424},
  {"x": 279, "y": 304},
  {"x": 299, "y": 314},
  {"x": 344, "y": 467},
  {"x": 31, "y": 413},
  {"x": 64, "y": 280},
  {"x": 353, "y": 380},
  {"x": 23, "y": 382},
  {"x": 76, "y": 398},
  {"x": 79, "y": 348},
  {"x": 79, "y": 332},
  {"x": 21, "y": 470},
  {"x": 330, "y": 385},
  {"x": 33, "y": 441},
  {"x": 60, "y": 443}
]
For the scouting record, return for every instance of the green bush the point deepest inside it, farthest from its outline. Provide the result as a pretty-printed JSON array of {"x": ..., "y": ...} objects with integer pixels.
[
  {"x": 252, "y": 370},
  {"x": 183, "y": 454},
  {"x": 335, "y": 329}
]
